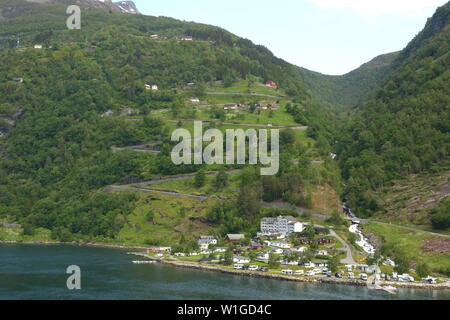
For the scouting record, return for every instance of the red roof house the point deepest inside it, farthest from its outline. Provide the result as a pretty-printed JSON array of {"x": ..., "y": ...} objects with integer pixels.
[{"x": 271, "y": 84}]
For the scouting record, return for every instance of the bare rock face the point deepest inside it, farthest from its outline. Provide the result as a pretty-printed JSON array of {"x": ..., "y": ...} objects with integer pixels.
[
  {"x": 373, "y": 240},
  {"x": 437, "y": 245},
  {"x": 127, "y": 7}
]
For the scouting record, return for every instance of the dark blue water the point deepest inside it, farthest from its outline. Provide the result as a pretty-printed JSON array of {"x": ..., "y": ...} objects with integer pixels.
[{"x": 39, "y": 272}]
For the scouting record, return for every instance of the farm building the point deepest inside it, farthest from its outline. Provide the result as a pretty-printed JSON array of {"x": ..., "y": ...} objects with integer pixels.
[{"x": 271, "y": 84}]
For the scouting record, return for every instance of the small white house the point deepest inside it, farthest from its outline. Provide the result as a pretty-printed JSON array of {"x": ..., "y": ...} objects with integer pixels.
[
  {"x": 153, "y": 87},
  {"x": 320, "y": 264},
  {"x": 263, "y": 256},
  {"x": 38, "y": 46},
  {"x": 220, "y": 249},
  {"x": 299, "y": 249},
  {"x": 277, "y": 251},
  {"x": 205, "y": 241},
  {"x": 389, "y": 262},
  {"x": 240, "y": 259},
  {"x": 367, "y": 269},
  {"x": 281, "y": 244},
  {"x": 322, "y": 253},
  {"x": 194, "y": 100}
]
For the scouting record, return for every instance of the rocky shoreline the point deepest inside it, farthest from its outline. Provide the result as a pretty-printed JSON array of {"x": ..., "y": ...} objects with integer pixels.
[
  {"x": 326, "y": 280},
  {"x": 198, "y": 266}
]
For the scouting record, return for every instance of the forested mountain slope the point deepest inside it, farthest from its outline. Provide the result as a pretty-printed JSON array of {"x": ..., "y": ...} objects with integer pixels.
[
  {"x": 56, "y": 137},
  {"x": 345, "y": 91},
  {"x": 403, "y": 129}
]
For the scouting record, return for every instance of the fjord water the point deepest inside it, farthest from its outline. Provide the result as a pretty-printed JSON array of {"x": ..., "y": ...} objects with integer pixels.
[{"x": 39, "y": 272}]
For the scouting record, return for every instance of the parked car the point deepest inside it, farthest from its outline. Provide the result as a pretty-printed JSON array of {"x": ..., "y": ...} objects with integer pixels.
[
  {"x": 407, "y": 277},
  {"x": 238, "y": 266},
  {"x": 429, "y": 280},
  {"x": 245, "y": 267},
  {"x": 310, "y": 273},
  {"x": 253, "y": 268},
  {"x": 263, "y": 269},
  {"x": 288, "y": 272},
  {"x": 351, "y": 275},
  {"x": 363, "y": 276},
  {"x": 388, "y": 278},
  {"x": 338, "y": 275},
  {"x": 299, "y": 272},
  {"x": 317, "y": 271}
]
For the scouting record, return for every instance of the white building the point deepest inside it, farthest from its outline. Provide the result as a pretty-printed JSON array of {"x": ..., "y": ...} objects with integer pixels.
[
  {"x": 153, "y": 87},
  {"x": 277, "y": 251},
  {"x": 194, "y": 100},
  {"x": 239, "y": 259},
  {"x": 299, "y": 249},
  {"x": 263, "y": 256},
  {"x": 281, "y": 225},
  {"x": 205, "y": 241},
  {"x": 309, "y": 265},
  {"x": 280, "y": 244}
]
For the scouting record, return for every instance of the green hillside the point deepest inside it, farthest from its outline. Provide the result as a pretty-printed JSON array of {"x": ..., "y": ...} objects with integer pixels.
[
  {"x": 402, "y": 132},
  {"x": 83, "y": 94},
  {"x": 347, "y": 90}
]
